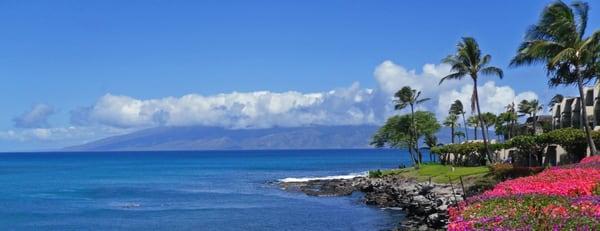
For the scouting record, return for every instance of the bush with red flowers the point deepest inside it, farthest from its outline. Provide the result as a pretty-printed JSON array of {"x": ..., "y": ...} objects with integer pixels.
[{"x": 557, "y": 199}]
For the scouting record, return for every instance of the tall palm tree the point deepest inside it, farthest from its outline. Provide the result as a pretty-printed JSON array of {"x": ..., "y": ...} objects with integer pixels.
[
  {"x": 408, "y": 97},
  {"x": 468, "y": 61},
  {"x": 531, "y": 108},
  {"x": 558, "y": 40},
  {"x": 511, "y": 116},
  {"x": 474, "y": 122},
  {"x": 451, "y": 121},
  {"x": 458, "y": 109},
  {"x": 489, "y": 119}
]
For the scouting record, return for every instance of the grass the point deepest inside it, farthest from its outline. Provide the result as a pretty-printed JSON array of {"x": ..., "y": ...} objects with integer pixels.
[{"x": 439, "y": 173}]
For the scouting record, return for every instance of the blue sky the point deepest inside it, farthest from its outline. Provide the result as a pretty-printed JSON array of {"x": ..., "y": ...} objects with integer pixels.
[{"x": 63, "y": 57}]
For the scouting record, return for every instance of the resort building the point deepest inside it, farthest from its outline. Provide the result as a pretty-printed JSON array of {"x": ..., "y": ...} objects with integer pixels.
[{"x": 568, "y": 112}]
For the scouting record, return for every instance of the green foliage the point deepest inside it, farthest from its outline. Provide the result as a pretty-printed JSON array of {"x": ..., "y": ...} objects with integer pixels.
[
  {"x": 470, "y": 153},
  {"x": 489, "y": 119},
  {"x": 571, "y": 139},
  {"x": 375, "y": 174},
  {"x": 396, "y": 131},
  {"x": 407, "y": 96}
]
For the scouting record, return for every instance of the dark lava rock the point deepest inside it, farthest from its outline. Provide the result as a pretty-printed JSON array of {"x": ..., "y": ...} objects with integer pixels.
[{"x": 425, "y": 204}]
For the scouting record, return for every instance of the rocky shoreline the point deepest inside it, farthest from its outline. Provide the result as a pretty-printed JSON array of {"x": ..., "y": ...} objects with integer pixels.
[{"x": 425, "y": 204}]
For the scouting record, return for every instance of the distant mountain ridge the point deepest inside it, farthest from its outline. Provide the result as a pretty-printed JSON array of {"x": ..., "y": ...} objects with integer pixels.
[{"x": 215, "y": 138}]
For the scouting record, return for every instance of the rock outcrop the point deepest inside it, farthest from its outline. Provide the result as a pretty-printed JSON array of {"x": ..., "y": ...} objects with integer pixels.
[{"x": 425, "y": 204}]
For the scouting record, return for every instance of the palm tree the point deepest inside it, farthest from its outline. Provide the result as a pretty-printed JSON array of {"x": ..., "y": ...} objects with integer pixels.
[
  {"x": 408, "y": 97},
  {"x": 451, "y": 121},
  {"x": 458, "y": 109},
  {"x": 468, "y": 61},
  {"x": 531, "y": 108},
  {"x": 460, "y": 135},
  {"x": 558, "y": 40},
  {"x": 511, "y": 116},
  {"x": 474, "y": 122},
  {"x": 489, "y": 119},
  {"x": 430, "y": 141}
]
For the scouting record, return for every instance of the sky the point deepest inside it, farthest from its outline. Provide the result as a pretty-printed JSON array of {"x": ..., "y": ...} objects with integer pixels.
[{"x": 76, "y": 71}]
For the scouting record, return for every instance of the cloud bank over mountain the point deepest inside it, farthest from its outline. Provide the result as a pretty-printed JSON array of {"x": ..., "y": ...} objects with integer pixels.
[{"x": 352, "y": 105}]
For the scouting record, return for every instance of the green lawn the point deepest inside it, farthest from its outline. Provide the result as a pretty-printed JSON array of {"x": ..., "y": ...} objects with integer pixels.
[{"x": 439, "y": 173}]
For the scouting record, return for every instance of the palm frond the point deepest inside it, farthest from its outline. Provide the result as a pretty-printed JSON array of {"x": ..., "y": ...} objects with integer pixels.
[
  {"x": 562, "y": 56},
  {"x": 492, "y": 71},
  {"x": 581, "y": 9},
  {"x": 422, "y": 100},
  {"x": 457, "y": 75}
]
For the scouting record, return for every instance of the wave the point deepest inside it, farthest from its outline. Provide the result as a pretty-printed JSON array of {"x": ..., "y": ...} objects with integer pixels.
[{"x": 338, "y": 177}]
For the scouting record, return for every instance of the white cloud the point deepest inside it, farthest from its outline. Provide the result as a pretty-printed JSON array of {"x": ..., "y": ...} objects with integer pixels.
[
  {"x": 342, "y": 106},
  {"x": 36, "y": 117},
  {"x": 351, "y": 105},
  {"x": 492, "y": 98},
  {"x": 391, "y": 77}
]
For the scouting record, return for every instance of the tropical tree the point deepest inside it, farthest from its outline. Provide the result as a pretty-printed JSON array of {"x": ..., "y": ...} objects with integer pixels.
[
  {"x": 511, "y": 116},
  {"x": 408, "y": 97},
  {"x": 530, "y": 108},
  {"x": 469, "y": 61},
  {"x": 430, "y": 141},
  {"x": 489, "y": 119},
  {"x": 460, "y": 135},
  {"x": 450, "y": 122},
  {"x": 474, "y": 122},
  {"x": 458, "y": 109},
  {"x": 559, "y": 41},
  {"x": 505, "y": 124},
  {"x": 397, "y": 132}
]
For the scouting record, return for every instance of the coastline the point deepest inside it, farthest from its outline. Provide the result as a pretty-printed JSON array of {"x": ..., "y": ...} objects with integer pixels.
[{"x": 425, "y": 204}]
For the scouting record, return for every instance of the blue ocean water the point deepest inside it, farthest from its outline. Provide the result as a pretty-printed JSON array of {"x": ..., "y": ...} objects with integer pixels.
[{"x": 208, "y": 190}]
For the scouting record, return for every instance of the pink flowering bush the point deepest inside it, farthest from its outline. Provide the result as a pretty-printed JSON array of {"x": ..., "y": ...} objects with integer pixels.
[
  {"x": 590, "y": 159},
  {"x": 555, "y": 181},
  {"x": 566, "y": 198}
]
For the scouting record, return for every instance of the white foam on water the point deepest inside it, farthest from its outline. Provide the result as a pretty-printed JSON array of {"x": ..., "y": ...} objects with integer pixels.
[{"x": 338, "y": 177}]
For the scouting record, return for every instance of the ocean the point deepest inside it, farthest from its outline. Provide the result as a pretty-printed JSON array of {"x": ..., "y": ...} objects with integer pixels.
[{"x": 204, "y": 190}]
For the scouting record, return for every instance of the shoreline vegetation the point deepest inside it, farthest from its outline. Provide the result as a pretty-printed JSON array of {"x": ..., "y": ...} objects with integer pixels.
[{"x": 541, "y": 174}]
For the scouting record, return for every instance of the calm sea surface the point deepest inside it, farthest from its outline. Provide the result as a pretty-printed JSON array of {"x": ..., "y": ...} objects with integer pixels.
[{"x": 210, "y": 190}]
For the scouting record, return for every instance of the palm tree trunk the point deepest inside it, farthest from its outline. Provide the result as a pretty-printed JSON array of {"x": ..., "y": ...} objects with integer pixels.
[
  {"x": 416, "y": 137},
  {"x": 452, "y": 132},
  {"x": 534, "y": 123},
  {"x": 475, "y": 132},
  {"x": 588, "y": 132},
  {"x": 481, "y": 122},
  {"x": 465, "y": 124}
]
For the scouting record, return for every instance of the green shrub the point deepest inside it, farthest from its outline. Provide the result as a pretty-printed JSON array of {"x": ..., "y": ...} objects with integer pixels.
[
  {"x": 504, "y": 171},
  {"x": 375, "y": 174},
  {"x": 468, "y": 154}
]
